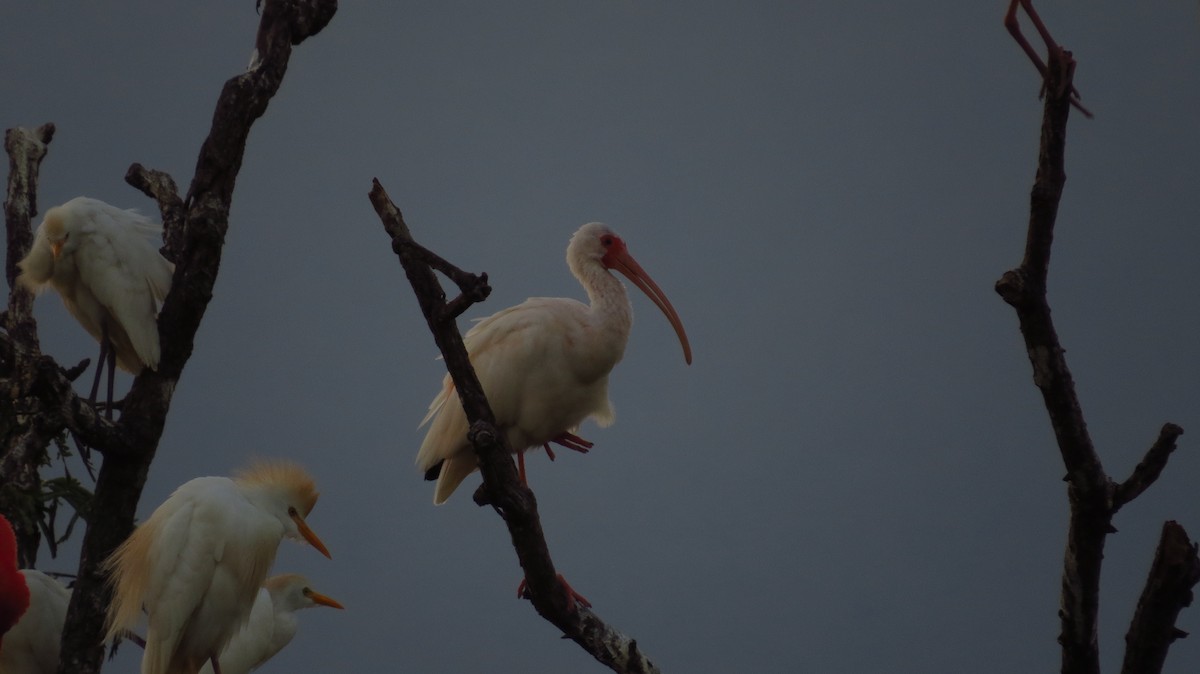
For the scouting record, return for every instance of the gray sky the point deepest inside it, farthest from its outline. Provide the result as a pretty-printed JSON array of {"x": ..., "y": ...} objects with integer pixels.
[{"x": 856, "y": 475}]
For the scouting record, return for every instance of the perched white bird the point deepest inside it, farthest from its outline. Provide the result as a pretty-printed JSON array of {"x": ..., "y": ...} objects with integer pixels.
[
  {"x": 544, "y": 363},
  {"x": 31, "y": 646},
  {"x": 14, "y": 592},
  {"x": 198, "y": 562},
  {"x": 105, "y": 264},
  {"x": 272, "y": 623}
]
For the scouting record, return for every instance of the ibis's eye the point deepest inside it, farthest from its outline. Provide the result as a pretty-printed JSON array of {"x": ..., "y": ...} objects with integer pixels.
[
  {"x": 292, "y": 512},
  {"x": 606, "y": 240},
  {"x": 307, "y": 591}
]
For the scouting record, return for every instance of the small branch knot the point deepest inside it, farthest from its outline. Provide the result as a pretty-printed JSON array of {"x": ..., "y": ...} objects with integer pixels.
[
  {"x": 474, "y": 289},
  {"x": 483, "y": 433},
  {"x": 73, "y": 373},
  {"x": 1011, "y": 287}
]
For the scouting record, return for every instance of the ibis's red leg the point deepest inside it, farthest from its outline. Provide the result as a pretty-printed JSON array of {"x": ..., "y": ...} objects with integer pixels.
[
  {"x": 1014, "y": 29},
  {"x": 573, "y": 597},
  {"x": 570, "y": 441},
  {"x": 521, "y": 468}
]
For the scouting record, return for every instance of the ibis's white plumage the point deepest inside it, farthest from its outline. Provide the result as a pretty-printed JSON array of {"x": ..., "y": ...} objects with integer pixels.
[
  {"x": 104, "y": 263},
  {"x": 272, "y": 623},
  {"x": 31, "y": 646},
  {"x": 544, "y": 363},
  {"x": 198, "y": 562}
]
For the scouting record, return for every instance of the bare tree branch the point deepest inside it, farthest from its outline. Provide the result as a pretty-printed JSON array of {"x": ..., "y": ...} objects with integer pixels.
[
  {"x": 21, "y": 426},
  {"x": 1168, "y": 590},
  {"x": 26, "y": 149},
  {"x": 1088, "y": 486},
  {"x": 161, "y": 187},
  {"x": 1149, "y": 468},
  {"x": 119, "y": 483},
  {"x": 1094, "y": 498},
  {"x": 502, "y": 489},
  {"x": 195, "y": 232}
]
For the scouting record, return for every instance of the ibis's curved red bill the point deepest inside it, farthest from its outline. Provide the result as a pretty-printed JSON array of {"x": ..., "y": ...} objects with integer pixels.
[{"x": 622, "y": 261}]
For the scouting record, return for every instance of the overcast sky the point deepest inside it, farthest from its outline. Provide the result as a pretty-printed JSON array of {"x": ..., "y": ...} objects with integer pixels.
[{"x": 855, "y": 475}]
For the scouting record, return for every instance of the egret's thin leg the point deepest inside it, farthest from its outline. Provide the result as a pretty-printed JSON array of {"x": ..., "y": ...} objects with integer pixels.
[
  {"x": 132, "y": 636},
  {"x": 106, "y": 352},
  {"x": 112, "y": 374},
  {"x": 99, "y": 369}
]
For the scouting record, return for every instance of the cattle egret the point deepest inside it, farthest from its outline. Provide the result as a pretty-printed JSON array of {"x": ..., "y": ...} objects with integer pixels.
[
  {"x": 104, "y": 263},
  {"x": 544, "y": 363},
  {"x": 31, "y": 646},
  {"x": 198, "y": 562},
  {"x": 14, "y": 592},
  {"x": 272, "y": 623}
]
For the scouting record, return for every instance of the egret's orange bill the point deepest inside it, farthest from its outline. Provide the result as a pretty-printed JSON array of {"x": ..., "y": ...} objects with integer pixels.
[
  {"x": 309, "y": 535},
  {"x": 321, "y": 599}
]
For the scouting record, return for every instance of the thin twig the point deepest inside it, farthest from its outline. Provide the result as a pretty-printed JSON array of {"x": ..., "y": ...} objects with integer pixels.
[
  {"x": 1149, "y": 468},
  {"x": 161, "y": 187}
]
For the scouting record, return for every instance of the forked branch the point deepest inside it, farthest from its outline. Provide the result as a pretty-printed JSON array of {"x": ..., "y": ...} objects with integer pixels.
[{"x": 1094, "y": 497}]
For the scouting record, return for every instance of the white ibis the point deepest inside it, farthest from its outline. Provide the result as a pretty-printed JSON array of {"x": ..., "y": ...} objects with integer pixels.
[
  {"x": 31, "y": 646},
  {"x": 196, "y": 565},
  {"x": 14, "y": 592},
  {"x": 104, "y": 262},
  {"x": 272, "y": 623},
  {"x": 544, "y": 363}
]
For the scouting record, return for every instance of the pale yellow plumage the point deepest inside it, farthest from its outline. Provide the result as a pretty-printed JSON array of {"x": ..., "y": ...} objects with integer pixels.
[
  {"x": 198, "y": 561},
  {"x": 104, "y": 263}
]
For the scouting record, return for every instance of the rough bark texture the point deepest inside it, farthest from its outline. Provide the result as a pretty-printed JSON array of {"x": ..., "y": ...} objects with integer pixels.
[
  {"x": 501, "y": 488},
  {"x": 21, "y": 430},
  {"x": 1094, "y": 497},
  {"x": 195, "y": 232},
  {"x": 1175, "y": 571}
]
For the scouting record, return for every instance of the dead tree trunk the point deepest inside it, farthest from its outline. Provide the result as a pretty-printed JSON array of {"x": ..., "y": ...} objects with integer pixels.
[
  {"x": 194, "y": 232},
  {"x": 1094, "y": 497}
]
